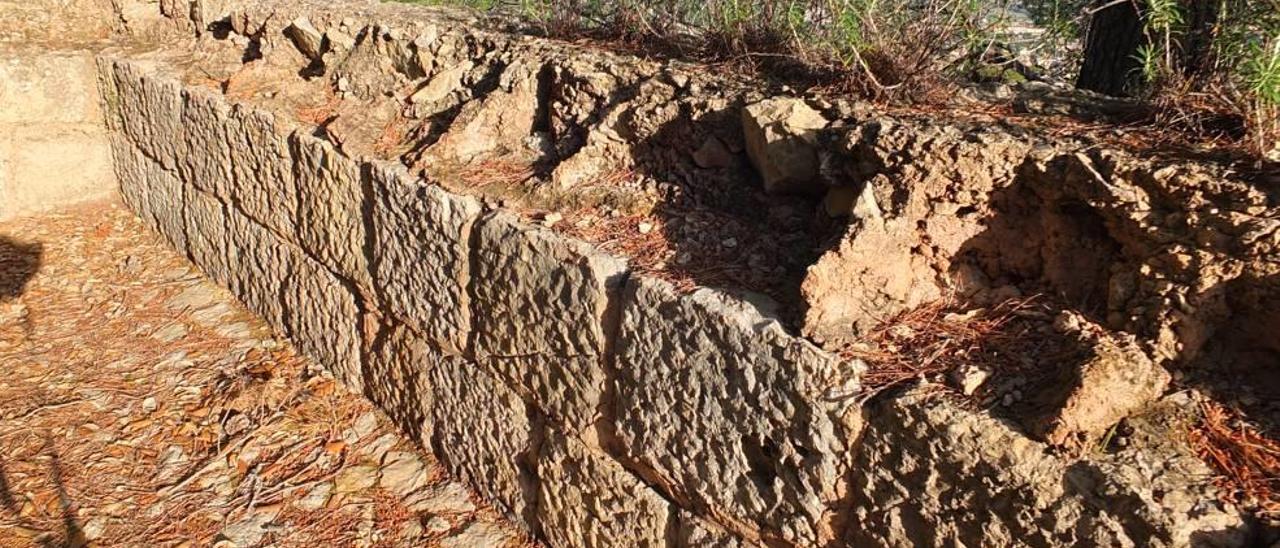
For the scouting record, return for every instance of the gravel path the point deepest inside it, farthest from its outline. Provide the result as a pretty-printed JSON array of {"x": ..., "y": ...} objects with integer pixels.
[{"x": 141, "y": 405}]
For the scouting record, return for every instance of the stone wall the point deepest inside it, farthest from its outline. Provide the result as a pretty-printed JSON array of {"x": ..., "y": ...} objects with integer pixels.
[
  {"x": 53, "y": 147},
  {"x": 533, "y": 365},
  {"x": 592, "y": 405}
]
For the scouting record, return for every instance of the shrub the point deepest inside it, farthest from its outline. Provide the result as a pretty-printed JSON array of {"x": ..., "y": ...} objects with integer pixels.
[
  {"x": 1223, "y": 61},
  {"x": 882, "y": 48}
]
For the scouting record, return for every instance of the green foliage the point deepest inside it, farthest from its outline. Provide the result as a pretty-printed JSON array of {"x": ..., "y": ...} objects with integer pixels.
[
  {"x": 877, "y": 45},
  {"x": 1261, "y": 72},
  {"x": 916, "y": 49},
  {"x": 1163, "y": 16},
  {"x": 1149, "y": 62},
  {"x": 1214, "y": 58}
]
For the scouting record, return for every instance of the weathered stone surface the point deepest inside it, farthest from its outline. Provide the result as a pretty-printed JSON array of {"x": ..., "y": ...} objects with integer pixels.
[
  {"x": 54, "y": 150},
  {"x": 209, "y": 244},
  {"x": 151, "y": 192},
  {"x": 918, "y": 193},
  {"x": 1087, "y": 398},
  {"x": 498, "y": 124},
  {"x": 46, "y": 166},
  {"x": 131, "y": 174},
  {"x": 781, "y": 135},
  {"x": 58, "y": 21},
  {"x": 442, "y": 84},
  {"x": 150, "y": 107},
  {"x": 262, "y": 169},
  {"x": 204, "y": 159},
  {"x": 929, "y": 469},
  {"x": 694, "y": 532},
  {"x": 323, "y": 317},
  {"x": 395, "y": 378},
  {"x": 48, "y": 87},
  {"x": 587, "y": 499},
  {"x": 331, "y": 204},
  {"x": 541, "y": 305},
  {"x": 484, "y": 434},
  {"x": 728, "y": 410},
  {"x": 873, "y": 273},
  {"x": 305, "y": 37},
  {"x": 421, "y": 256},
  {"x": 260, "y": 267}
]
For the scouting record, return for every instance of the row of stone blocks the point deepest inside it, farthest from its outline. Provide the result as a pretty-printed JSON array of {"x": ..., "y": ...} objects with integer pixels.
[
  {"x": 589, "y": 404},
  {"x": 593, "y": 406}
]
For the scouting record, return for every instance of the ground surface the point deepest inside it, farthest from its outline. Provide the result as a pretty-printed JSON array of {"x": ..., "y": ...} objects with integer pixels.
[{"x": 141, "y": 405}]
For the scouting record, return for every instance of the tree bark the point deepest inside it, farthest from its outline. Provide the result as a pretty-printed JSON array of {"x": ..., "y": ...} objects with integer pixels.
[
  {"x": 1110, "y": 56},
  {"x": 1202, "y": 20}
]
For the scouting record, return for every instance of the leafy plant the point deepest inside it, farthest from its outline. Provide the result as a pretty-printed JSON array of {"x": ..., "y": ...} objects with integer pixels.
[{"x": 1203, "y": 60}]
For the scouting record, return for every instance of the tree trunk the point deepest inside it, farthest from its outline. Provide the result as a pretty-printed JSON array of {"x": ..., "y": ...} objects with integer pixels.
[
  {"x": 1110, "y": 54},
  {"x": 1202, "y": 21}
]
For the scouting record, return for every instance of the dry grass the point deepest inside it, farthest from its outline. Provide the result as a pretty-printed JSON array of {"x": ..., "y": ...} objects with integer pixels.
[
  {"x": 939, "y": 337},
  {"x": 1247, "y": 459},
  {"x": 322, "y": 113},
  {"x": 491, "y": 172}
]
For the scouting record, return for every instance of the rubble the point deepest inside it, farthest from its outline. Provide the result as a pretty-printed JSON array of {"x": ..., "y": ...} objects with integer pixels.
[{"x": 781, "y": 137}]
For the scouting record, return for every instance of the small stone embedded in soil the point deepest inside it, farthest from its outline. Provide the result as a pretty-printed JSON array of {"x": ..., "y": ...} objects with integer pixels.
[
  {"x": 713, "y": 154},
  {"x": 437, "y": 524},
  {"x": 170, "y": 333},
  {"x": 447, "y": 498},
  {"x": 478, "y": 534},
  {"x": 968, "y": 379},
  {"x": 317, "y": 497},
  {"x": 355, "y": 479},
  {"x": 248, "y": 531},
  {"x": 403, "y": 474},
  {"x": 781, "y": 135}
]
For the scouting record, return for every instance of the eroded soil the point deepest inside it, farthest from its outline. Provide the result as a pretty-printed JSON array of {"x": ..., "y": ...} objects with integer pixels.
[{"x": 141, "y": 405}]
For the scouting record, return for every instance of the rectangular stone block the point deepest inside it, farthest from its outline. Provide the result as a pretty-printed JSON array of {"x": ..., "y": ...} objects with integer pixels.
[
  {"x": 44, "y": 87},
  {"x": 323, "y": 318},
  {"x": 728, "y": 409},
  {"x": 209, "y": 241},
  {"x": 540, "y": 309},
  {"x": 131, "y": 176},
  {"x": 262, "y": 169},
  {"x": 205, "y": 152},
  {"x": 165, "y": 202},
  {"x": 586, "y": 499},
  {"x": 929, "y": 466},
  {"x": 260, "y": 267},
  {"x": 297, "y": 296},
  {"x": 396, "y": 379},
  {"x": 53, "y": 165},
  {"x": 331, "y": 205},
  {"x": 485, "y": 435},
  {"x": 109, "y": 94},
  {"x": 155, "y": 195},
  {"x": 150, "y": 110},
  {"x": 421, "y": 255}
]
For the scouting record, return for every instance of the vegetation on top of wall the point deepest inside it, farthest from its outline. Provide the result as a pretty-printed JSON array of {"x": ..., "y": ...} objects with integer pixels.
[{"x": 1211, "y": 66}]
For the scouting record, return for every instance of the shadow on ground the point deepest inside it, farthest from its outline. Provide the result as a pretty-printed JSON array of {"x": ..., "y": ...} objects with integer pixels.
[
  {"x": 19, "y": 262},
  {"x": 71, "y": 534}
]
